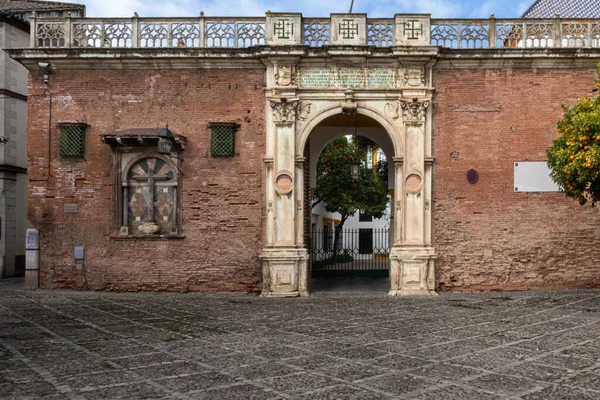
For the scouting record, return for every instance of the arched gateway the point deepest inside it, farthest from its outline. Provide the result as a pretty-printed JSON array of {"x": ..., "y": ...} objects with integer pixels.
[{"x": 395, "y": 91}]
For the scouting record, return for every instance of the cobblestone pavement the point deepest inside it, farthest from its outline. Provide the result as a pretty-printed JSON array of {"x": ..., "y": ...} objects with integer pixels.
[{"x": 514, "y": 345}]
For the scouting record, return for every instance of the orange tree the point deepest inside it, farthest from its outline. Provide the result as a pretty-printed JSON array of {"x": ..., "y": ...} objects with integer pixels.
[
  {"x": 342, "y": 194},
  {"x": 574, "y": 158}
]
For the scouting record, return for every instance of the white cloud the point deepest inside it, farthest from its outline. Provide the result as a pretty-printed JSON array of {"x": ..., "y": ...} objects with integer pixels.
[{"x": 309, "y": 8}]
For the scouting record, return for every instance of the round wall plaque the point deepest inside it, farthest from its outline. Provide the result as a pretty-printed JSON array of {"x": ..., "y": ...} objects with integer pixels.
[
  {"x": 284, "y": 183},
  {"x": 413, "y": 183},
  {"x": 472, "y": 176}
]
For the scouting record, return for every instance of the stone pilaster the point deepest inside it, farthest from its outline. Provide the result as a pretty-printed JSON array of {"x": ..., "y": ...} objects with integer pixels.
[
  {"x": 412, "y": 257},
  {"x": 284, "y": 258}
]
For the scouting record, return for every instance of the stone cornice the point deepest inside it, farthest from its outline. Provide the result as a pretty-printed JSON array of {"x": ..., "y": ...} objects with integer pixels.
[
  {"x": 253, "y": 57},
  {"x": 517, "y": 58}
]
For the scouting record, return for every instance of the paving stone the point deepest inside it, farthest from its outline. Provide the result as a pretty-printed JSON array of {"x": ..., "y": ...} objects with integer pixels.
[
  {"x": 535, "y": 371},
  {"x": 350, "y": 371},
  {"x": 200, "y": 353},
  {"x": 299, "y": 382},
  {"x": 261, "y": 371},
  {"x": 11, "y": 364},
  {"x": 169, "y": 370},
  {"x": 589, "y": 350},
  {"x": 502, "y": 384},
  {"x": 444, "y": 371},
  {"x": 452, "y": 392},
  {"x": 237, "y": 392},
  {"x": 232, "y": 360},
  {"x": 27, "y": 390},
  {"x": 397, "y": 384},
  {"x": 342, "y": 392},
  {"x": 281, "y": 352},
  {"x": 335, "y": 346},
  {"x": 19, "y": 376},
  {"x": 186, "y": 384},
  {"x": 77, "y": 367},
  {"x": 587, "y": 380},
  {"x": 494, "y": 358},
  {"x": 133, "y": 391},
  {"x": 398, "y": 362},
  {"x": 567, "y": 362},
  {"x": 562, "y": 393},
  {"x": 93, "y": 381},
  {"x": 358, "y": 353},
  {"x": 144, "y": 359}
]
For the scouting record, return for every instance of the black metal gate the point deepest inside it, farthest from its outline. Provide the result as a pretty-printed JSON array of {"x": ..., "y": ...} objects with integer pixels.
[{"x": 349, "y": 250}]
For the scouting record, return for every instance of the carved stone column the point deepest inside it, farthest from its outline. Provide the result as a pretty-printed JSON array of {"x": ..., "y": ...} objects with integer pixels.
[
  {"x": 412, "y": 257},
  {"x": 284, "y": 258}
]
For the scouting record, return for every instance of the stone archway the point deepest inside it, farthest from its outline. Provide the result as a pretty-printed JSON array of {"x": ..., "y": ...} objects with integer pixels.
[{"x": 291, "y": 117}]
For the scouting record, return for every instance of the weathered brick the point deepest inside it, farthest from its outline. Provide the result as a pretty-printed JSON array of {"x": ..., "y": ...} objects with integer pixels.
[
  {"x": 487, "y": 236},
  {"x": 222, "y": 216}
]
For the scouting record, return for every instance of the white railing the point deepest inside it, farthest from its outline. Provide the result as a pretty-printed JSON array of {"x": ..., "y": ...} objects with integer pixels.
[{"x": 212, "y": 32}]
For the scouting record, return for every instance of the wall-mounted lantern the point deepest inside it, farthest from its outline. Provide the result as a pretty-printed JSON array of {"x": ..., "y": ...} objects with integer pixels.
[
  {"x": 165, "y": 141},
  {"x": 355, "y": 171}
]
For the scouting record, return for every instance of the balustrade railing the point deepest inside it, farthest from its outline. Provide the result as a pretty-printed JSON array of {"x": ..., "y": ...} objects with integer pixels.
[{"x": 210, "y": 32}]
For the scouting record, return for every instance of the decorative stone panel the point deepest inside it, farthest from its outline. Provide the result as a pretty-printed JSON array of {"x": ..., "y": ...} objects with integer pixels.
[
  {"x": 284, "y": 29},
  {"x": 413, "y": 30},
  {"x": 346, "y": 77},
  {"x": 349, "y": 29}
]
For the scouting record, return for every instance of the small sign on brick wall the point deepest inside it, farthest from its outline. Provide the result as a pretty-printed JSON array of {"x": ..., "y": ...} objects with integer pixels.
[
  {"x": 71, "y": 208},
  {"x": 533, "y": 176}
]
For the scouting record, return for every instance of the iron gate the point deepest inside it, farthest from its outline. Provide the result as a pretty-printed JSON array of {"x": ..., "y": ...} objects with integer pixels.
[{"x": 350, "y": 250}]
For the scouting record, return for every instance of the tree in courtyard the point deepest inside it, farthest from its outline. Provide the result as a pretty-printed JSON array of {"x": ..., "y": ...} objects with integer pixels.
[
  {"x": 337, "y": 189},
  {"x": 574, "y": 158}
]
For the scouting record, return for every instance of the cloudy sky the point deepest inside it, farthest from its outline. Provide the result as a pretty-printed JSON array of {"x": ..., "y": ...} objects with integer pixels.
[{"x": 312, "y": 8}]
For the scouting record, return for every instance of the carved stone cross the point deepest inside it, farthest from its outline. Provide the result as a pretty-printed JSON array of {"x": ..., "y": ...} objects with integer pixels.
[
  {"x": 284, "y": 29},
  {"x": 150, "y": 199},
  {"x": 348, "y": 29}
]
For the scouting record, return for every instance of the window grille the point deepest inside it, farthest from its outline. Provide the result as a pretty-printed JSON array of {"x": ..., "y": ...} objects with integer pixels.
[
  {"x": 72, "y": 141},
  {"x": 222, "y": 140}
]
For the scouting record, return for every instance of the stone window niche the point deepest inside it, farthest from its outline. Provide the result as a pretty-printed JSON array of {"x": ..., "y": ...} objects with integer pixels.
[{"x": 148, "y": 185}]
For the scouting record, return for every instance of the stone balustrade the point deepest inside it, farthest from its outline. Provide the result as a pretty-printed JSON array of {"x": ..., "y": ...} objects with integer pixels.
[{"x": 291, "y": 29}]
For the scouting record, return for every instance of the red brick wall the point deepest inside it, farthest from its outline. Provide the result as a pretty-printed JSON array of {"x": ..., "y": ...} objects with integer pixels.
[
  {"x": 487, "y": 236},
  {"x": 222, "y": 214}
]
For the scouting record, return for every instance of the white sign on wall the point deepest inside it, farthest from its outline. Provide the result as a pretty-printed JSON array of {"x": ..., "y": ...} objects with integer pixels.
[{"x": 533, "y": 176}]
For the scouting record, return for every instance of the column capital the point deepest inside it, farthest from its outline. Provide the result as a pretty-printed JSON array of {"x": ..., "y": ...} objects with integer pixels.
[
  {"x": 284, "y": 110},
  {"x": 414, "y": 110}
]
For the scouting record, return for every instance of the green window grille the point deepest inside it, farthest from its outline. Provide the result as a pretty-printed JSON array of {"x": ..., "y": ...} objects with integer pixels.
[
  {"x": 72, "y": 141},
  {"x": 222, "y": 139}
]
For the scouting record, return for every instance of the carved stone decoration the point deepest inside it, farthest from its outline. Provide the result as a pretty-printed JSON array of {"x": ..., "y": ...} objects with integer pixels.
[
  {"x": 392, "y": 110},
  {"x": 285, "y": 75},
  {"x": 304, "y": 109},
  {"x": 414, "y": 110},
  {"x": 149, "y": 228},
  {"x": 414, "y": 77},
  {"x": 413, "y": 183},
  {"x": 284, "y": 111},
  {"x": 284, "y": 183}
]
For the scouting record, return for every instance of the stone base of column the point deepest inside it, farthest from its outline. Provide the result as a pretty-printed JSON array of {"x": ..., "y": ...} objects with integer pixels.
[
  {"x": 412, "y": 271},
  {"x": 285, "y": 272},
  {"x": 32, "y": 279}
]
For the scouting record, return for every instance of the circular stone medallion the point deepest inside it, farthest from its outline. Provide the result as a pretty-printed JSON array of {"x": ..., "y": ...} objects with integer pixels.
[
  {"x": 284, "y": 183},
  {"x": 413, "y": 183}
]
